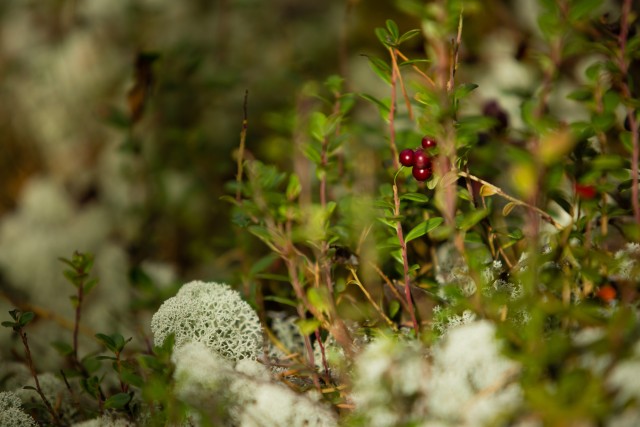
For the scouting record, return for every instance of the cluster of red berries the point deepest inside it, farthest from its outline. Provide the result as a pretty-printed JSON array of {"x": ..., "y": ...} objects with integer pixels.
[{"x": 419, "y": 160}]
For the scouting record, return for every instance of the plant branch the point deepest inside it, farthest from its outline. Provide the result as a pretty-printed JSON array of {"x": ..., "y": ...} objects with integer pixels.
[
  {"x": 456, "y": 49},
  {"x": 631, "y": 112},
  {"x": 366, "y": 293},
  {"x": 243, "y": 137},
  {"x": 497, "y": 190},
  {"x": 394, "y": 64},
  {"x": 418, "y": 70},
  {"x": 393, "y": 289},
  {"x": 32, "y": 369},
  {"x": 392, "y": 113},
  {"x": 405, "y": 262}
]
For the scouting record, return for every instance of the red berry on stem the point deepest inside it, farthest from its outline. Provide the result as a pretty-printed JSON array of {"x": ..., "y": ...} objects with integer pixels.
[
  {"x": 421, "y": 174},
  {"x": 585, "y": 191},
  {"x": 428, "y": 142},
  {"x": 421, "y": 159},
  {"x": 406, "y": 157}
]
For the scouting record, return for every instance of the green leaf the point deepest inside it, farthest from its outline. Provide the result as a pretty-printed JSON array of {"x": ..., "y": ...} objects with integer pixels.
[
  {"x": 432, "y": 183},
  {"x": 307, "y": 326},
  {"x": 393, "y": 29},
  {"x": 397, "y": 255},
  {"x": 90, "y": 285},
  {"x": 91, "y": 385},
  {"x": 334, "y": 83},
  {"x": 383, "y": 36},
  {"x": 281, "y": 300},
  {"x": 423, "y": 228},
  {"x": 381, "y": 68},
  {"x": 270, "y": 276},
  {"x": 468, "y": 220},
  {"x": 384, "y": 108},
  {"x": 260, "y": 265},
  {"x": 107, "y": 341},
  {"x": 607, "y": 162},
  {"x": 603, "y": 122},
  {"x": 106, "y": 358},
  {"x": 319, "y": 298},
  {"x": 317, "y": 124},
  {"x": 71, "y": 276},
  {"x": 312, "y": 152},
  {"x": 593, "y": 71},
  {"x": 610, "y": 101},
  {"x": 394, "y": 307},
  {"x": 385, "y": 221},
  {"x": 414, "y": 61},
  {"x": 463, "y": 90},
  {"x": 229, "y": 199},
  {"x": 584, "y": 94},
  {"x": 408, "y": 35},
  {"x": 130, "y": 377},
  {"x": 63, "y": 348},
  {"x": 117, "y": 401},
  {"x": 415, "y": 197},
  {"x": 26, "y": 318},
  {"x": 119, "y": 341},
  {"x": 582, "y": 8},
  {"x": 516, "y": 234},
  {"x": 263, "y": 234},
  {"x": 293, "y": 187},
  {"x": 9, "y": 324}
]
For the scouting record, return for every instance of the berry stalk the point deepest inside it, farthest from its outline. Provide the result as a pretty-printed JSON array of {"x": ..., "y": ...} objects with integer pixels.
[{"x": 405, "y": 263}]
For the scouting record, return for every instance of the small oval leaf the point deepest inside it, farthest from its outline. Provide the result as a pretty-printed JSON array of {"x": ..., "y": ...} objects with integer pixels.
[
  {"x": 423, "y": 228},
  {"x": 117, "y": 401},
  {"x": 488, "y": 190},
  {"x": 415, "y": 197},
  {"x": 508, "y": 208}
]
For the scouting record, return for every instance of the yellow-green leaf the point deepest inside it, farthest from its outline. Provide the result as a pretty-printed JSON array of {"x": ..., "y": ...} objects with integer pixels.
[
  {"x": 555, "y": 145},
  {"x": 307, "y": 326},
  {"x": 488, "y": 190},
  {"x": 508, "y": 208}
]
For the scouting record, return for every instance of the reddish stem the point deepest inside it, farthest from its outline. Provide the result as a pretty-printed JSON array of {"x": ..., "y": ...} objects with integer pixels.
[
  {"x": 631, "y": 112},
  {"x": 405, "y": 263}
]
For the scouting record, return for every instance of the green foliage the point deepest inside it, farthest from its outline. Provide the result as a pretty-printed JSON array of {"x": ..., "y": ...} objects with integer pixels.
[
  {"x": 529, "y": 220},
  {"x": 20, "y": 319}
]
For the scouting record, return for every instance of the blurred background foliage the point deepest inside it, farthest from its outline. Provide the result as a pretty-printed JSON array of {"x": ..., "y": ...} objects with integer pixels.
[
  {"x": 68, "y": 66},
  {"x": 120, "y": 122}
]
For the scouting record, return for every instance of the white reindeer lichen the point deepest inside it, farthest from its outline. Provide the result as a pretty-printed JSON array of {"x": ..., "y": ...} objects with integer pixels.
[
  {"x": 11, "y": 413},
  {"x": 213, "y": 314}
]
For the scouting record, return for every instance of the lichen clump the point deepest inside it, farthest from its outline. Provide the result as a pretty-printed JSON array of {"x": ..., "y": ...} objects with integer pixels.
[
  {"x": 11, "y": 413},
  {"x": 213, "y": 314}
]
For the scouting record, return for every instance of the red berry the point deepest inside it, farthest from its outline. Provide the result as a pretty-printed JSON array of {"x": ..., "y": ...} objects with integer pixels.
[
  {"x": 428, "y": 142},
  {"x": 607, "y": 293},
  {"x": 406, "y": 157},
  {"x": 585, "y": 191},
  {"x": 421, "y": 174},
  {"x": 421, "y": 159}
]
